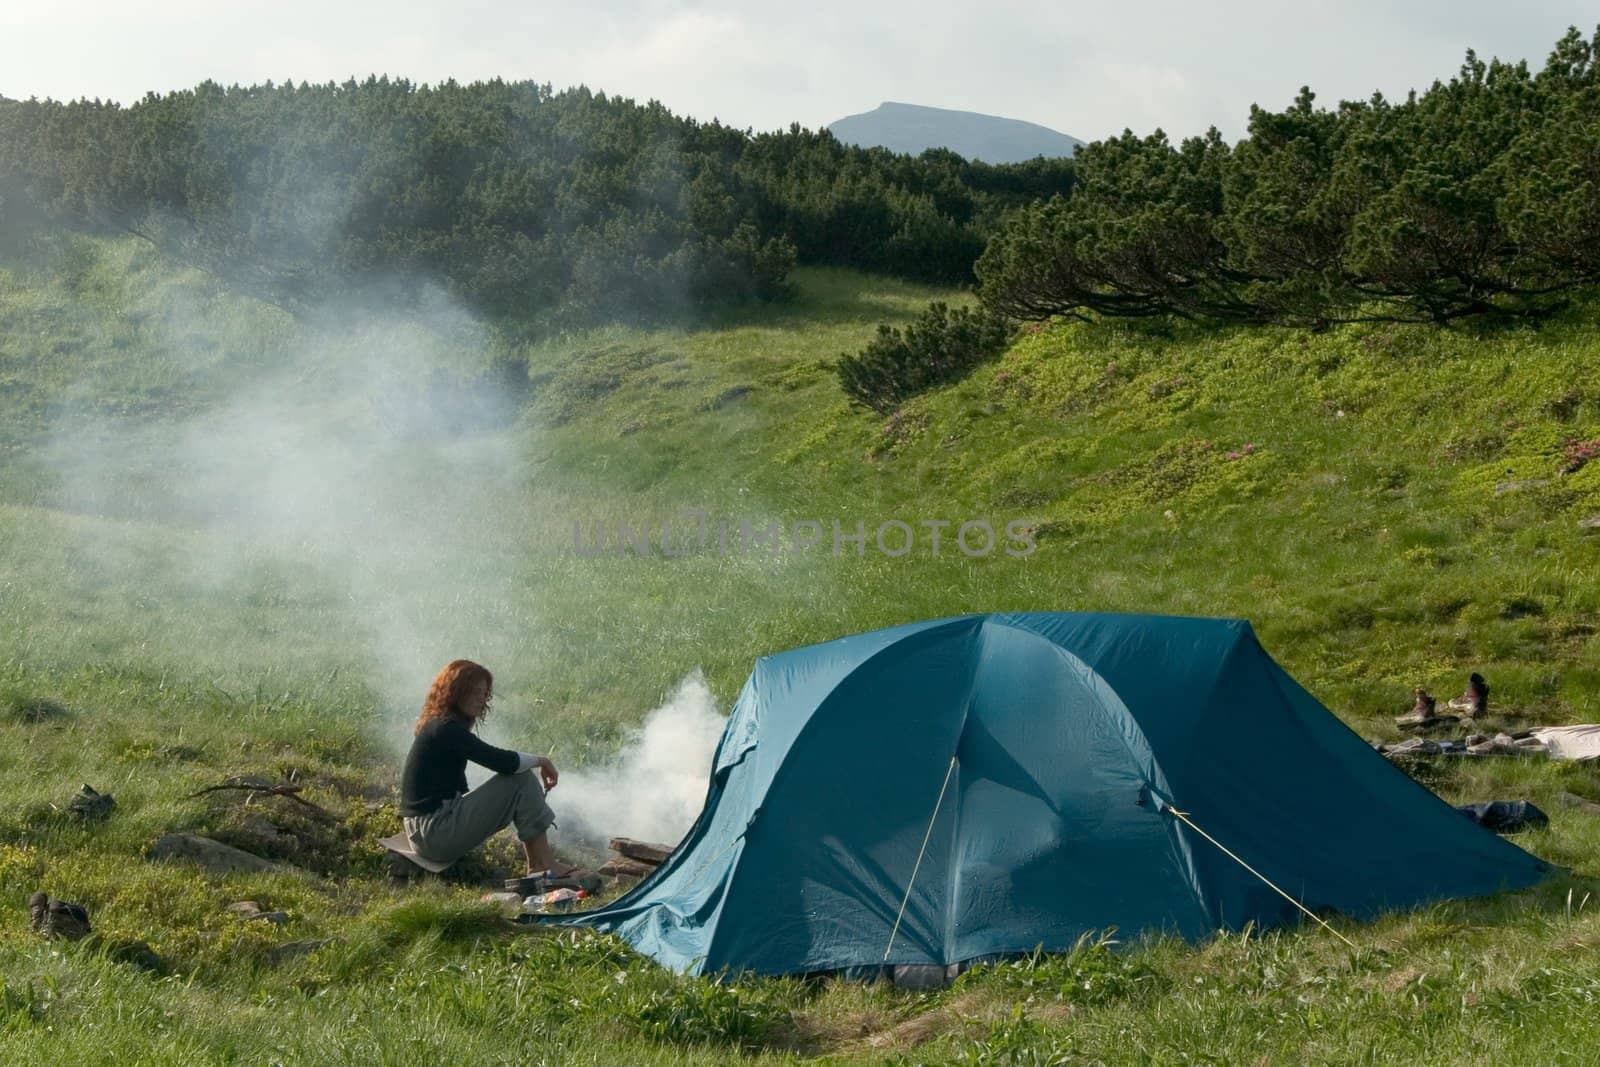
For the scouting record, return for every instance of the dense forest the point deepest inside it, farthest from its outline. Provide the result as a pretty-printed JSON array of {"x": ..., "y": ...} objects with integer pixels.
[
  {"x": 553, "y": 209},
  {"x": 549, "y": 208},
  {"x": 1479, "y": 195}
]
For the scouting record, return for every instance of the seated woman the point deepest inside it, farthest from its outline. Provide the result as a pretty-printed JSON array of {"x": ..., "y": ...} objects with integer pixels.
[{"x": 442, "y": 819}]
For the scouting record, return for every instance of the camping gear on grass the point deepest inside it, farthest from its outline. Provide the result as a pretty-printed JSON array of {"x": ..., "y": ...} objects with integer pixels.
[
  {"x": 1505, "y": 816},
  {"x": 1474, "y": 700},
  {"x": 1570, "y": 742},
  {"x": 88, "y": 804},
  {"x": 545, "y": 881},
  {"x": 964, "y": 788},
  {"x": 1422, "y": 710},
  {"x": 51, "y": 918},
  {"x": 554, "y": 900}
]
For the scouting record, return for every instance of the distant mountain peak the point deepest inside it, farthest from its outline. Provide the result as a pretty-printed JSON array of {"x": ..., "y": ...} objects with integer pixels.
[{"x": 914, "y": 128}]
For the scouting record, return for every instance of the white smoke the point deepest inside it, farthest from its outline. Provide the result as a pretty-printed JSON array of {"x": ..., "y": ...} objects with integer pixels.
[
  {"x": 654, "y": 787},
  {"x": 345, "y": 489}
]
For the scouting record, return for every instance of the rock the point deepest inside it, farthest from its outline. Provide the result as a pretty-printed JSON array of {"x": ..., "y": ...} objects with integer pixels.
[
  {"x": 1591, "y": 523},
  {"x": 1517, "y": 485},
  {"x": 214, "y": 856},
  {"x": 249, "y": 909},
  {"x": 643, "y": 851},
  {"x": 1572, "y": 800}
]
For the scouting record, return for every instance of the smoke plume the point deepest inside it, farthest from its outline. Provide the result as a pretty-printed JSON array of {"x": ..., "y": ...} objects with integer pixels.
[{"x": 654, "y": 787}]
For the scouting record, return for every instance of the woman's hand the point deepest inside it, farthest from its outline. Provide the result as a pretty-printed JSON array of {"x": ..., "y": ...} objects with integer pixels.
[{"x": 547, "y": 772}]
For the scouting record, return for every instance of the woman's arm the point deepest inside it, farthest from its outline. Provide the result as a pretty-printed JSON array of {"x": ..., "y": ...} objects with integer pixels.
[
  {"x": 470, "y": 746},
  {"x": 504, "y": 760}
]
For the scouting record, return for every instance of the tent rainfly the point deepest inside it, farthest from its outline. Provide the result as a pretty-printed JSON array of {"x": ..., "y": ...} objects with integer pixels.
[{"x": 964, "y": 788}]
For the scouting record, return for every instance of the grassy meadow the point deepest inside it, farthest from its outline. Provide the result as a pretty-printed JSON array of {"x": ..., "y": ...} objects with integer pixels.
[{"x": 236, "y": 543}]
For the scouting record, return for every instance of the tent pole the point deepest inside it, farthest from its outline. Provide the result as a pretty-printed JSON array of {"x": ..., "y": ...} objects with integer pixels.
[{"x": 920, "y": 853}]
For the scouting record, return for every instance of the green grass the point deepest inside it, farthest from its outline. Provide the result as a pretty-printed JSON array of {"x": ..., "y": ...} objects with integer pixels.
[{"x": 169, "y": 616}]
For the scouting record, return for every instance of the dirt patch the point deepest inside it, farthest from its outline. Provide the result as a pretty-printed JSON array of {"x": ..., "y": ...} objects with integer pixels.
[
  {"x": 1397, "y": 980},
  {"x": 973, "y": 1011}
]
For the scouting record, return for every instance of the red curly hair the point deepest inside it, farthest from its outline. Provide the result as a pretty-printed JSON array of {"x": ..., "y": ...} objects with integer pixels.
[{"x": 449, "y": 685}]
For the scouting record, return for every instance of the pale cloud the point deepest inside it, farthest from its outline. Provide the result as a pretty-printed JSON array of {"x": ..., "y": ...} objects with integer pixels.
[{"x": 1087, "y": 70}]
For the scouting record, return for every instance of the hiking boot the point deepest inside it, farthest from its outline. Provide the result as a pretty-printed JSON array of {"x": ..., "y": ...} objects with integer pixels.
[
  {"x": 1422, "y": 710},
  {"x": 1475, "y": 701}
]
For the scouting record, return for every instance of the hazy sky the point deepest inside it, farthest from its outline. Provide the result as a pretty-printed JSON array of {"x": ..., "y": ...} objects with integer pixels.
[{"x": 1085, "y": 69}]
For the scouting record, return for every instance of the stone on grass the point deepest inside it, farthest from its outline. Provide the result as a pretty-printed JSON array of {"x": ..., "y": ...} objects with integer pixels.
[
  {"x": 213, "y": 856},
  {"x": 1572, "y": 800}
]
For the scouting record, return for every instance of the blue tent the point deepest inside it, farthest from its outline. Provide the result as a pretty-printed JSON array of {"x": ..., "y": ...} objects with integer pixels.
[{"x": 949, "y": 790}]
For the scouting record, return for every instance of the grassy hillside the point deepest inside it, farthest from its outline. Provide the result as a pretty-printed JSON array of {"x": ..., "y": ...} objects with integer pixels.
[{"x": 232, "y": 543}]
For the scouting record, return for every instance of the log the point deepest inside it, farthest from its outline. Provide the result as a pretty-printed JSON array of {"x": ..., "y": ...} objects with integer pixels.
[
  {"x": 643, "y": 851},
  {"x": 623, "y": 867}
]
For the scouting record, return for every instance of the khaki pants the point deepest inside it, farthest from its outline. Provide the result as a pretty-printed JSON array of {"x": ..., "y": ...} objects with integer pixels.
[{"x": 463, "y": 823}]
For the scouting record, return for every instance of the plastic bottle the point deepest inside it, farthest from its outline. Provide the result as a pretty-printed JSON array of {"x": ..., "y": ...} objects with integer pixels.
[{"x": 555, "y": 900}]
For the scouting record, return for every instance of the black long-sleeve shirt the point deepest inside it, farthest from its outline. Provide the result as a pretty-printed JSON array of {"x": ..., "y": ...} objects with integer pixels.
[{"x": 436, "y": 766}]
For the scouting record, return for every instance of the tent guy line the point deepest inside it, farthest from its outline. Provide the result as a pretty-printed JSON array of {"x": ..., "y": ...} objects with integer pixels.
[
  {"x": 1270, "y": 884},
  {"x": 921, "y": 852}
]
